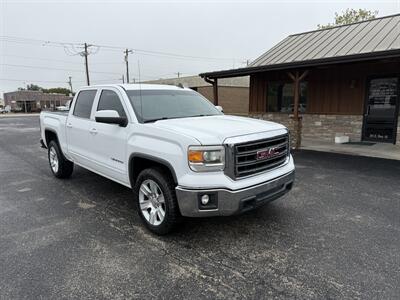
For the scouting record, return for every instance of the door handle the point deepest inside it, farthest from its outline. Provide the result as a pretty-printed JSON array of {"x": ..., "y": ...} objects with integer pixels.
[
  {"x": 93, "y": 131},
  {"x": 69, "y": 125}
]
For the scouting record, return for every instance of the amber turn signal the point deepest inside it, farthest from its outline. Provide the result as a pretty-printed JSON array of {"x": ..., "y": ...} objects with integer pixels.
[{"x": 195, "y": 156}]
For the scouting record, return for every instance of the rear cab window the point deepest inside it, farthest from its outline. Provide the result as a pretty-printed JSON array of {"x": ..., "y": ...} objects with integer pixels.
[{"x": 84, "y": 103}]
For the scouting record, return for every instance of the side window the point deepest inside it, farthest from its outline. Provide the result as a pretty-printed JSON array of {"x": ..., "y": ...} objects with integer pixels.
[
  {"x": 109, "y": 100},
  {"x": 84, "y": 103}
]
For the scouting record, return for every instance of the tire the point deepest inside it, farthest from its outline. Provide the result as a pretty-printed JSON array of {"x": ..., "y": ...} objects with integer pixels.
[
  {"x": 161, "y": 183},
  {"x": 59, "y": 165}
]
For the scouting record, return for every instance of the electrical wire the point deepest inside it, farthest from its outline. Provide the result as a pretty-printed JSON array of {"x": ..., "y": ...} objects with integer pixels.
[
  {"x": 59, "y": 69},
  {"x": 112, "y": 48}
]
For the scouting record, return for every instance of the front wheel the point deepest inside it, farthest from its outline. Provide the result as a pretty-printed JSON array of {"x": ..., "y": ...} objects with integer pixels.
[
  {"x": 59, "y": 165},
  {"x": 155, "y": 197}
]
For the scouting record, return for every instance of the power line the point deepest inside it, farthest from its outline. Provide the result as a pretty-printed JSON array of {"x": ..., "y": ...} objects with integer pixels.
[
  {"x": 50, "y": 68},
  {"x": 60, "y": 60},
  {"x": 112, "y": 48},
  {"x": 55, "y": 81}
]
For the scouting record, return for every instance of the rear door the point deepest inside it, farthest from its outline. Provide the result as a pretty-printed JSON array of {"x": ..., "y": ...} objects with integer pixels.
[
  {"x": 77, "y": 127},
  {"x": 381, "y": 110},
  {"x": 108, "y": 142}
]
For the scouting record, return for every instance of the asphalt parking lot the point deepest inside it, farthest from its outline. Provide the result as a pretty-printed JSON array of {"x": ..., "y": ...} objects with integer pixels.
[{"x": 336, "y": 235}]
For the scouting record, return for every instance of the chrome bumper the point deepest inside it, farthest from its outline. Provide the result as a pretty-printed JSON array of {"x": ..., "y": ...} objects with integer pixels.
[{"x": 225, "y": 202}]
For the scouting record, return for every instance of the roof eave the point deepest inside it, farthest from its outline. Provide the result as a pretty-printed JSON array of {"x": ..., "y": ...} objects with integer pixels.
[{"x": 303, "y": 64}]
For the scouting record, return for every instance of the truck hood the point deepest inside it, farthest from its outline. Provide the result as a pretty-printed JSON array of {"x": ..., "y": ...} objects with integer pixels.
[{"x": 213, "y": 130}]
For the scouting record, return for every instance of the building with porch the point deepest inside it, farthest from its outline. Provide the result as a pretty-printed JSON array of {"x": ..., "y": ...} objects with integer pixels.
[
  {"x": 34, "y": 101},
  {"x": 341, "y": 81}
]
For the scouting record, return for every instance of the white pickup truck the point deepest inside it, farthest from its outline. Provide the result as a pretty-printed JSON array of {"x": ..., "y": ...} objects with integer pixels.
[{"x": 177, "y": 151}]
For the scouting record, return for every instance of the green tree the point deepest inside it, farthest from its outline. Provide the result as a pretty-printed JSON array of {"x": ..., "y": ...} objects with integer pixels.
[
  {"x": 351, "y": 16},
  {"x": 33, "y": 87},
  {"x": 57, "y": 90}
]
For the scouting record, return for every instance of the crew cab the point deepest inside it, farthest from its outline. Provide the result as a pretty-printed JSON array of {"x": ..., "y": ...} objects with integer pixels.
[{"x": 177, "y": 151}]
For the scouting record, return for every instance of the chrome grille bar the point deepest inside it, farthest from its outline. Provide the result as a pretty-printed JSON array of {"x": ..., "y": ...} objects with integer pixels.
[{"x": 258, "y": 156}]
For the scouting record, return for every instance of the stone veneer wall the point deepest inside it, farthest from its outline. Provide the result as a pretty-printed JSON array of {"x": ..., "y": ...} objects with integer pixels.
[
  {"x": 283, "y": 119},
  {"x": 326, "y": 127},
  {"x": 319, "y": 127}
]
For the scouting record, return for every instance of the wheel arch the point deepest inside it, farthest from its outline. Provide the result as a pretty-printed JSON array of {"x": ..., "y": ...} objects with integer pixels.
[
  {"x": 50, "y": 135},
  {"x": 140, "y": 161}
]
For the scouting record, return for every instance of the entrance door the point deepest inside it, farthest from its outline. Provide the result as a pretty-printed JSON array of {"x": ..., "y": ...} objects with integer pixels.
[{"x": 381, "y": 110}]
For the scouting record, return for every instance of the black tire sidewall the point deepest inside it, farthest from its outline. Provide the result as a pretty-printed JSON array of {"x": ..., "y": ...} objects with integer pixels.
[
  {"x": 65, "y": 167},
  {"x": 54, "y": 145},
  {"x": 170, "y": 209}
]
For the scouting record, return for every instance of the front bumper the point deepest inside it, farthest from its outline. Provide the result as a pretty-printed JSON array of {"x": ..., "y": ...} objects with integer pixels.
[{"x": 226, "y": 202}]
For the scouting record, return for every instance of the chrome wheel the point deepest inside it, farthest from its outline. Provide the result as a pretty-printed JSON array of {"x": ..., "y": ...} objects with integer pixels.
[
  {"x": 53, "y": 158},
  {"x": 152, "y": 202}
]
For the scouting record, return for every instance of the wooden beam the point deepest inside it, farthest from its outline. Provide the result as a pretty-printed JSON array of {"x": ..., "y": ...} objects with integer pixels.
[
  {"x": 297, "y": 78},
  {"x": 296, "y": 96},
  {"x": 302, "y": 76},
  {"x": 291, "y": 76}
]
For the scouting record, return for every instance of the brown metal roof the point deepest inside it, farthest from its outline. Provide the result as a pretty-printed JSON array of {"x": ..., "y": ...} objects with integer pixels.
[{"x": 366, "y": 39}]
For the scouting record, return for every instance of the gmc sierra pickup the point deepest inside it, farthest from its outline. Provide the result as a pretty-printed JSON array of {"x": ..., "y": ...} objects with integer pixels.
[{"x": 177, "y": 151}]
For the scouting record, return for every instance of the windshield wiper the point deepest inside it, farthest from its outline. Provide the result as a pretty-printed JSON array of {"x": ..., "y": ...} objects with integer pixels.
[
  {"x": 154, "y": 120},
  {"x": 198, "y": 116},
  {"x": 168, "y": 118}
]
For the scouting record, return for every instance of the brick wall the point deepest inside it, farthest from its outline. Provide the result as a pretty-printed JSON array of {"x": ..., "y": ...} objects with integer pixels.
[
  {"x": 234, "y": 100},
  {"x": 326, "y": 127}
]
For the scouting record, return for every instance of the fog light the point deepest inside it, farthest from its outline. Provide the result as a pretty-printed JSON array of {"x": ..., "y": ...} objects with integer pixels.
[{"x": 205, "y": 199}]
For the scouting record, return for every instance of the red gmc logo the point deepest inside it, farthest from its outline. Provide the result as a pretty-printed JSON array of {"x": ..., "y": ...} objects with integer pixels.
[{"x": 268, "y": 153}]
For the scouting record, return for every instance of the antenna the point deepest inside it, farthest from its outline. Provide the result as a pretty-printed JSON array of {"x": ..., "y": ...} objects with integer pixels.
[{"x": 140, "y": 91}]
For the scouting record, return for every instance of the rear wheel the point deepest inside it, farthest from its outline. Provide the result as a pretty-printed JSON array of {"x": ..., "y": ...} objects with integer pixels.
[
  {"x": 155, "y": 198},
  {"x": 59, "y": 165}
]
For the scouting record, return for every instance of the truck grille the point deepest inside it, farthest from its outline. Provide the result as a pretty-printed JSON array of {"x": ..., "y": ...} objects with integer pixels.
[{"x": 258, "y": 156}]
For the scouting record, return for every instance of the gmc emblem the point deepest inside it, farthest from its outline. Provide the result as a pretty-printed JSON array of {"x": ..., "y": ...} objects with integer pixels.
[{"x": 267, "y": 153}]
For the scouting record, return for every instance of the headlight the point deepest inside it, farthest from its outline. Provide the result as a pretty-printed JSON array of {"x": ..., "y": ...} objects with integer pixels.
[{"x": 206, "y": 158}]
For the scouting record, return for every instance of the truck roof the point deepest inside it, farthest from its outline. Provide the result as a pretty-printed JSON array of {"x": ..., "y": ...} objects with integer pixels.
[{"x": 138, "y": 86}]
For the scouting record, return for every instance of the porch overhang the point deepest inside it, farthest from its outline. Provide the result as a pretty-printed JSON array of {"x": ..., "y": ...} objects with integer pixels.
[{"x": 370, "y": 56}]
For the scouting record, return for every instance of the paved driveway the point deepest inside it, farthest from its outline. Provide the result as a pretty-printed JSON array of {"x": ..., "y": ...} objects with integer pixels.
[{"x": 336, "y": 235}]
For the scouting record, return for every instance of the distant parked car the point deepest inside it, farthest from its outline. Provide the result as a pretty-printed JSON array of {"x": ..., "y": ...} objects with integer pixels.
[
  {"x": 5, "y": 110},
  {"x": 64, "y": 107}
]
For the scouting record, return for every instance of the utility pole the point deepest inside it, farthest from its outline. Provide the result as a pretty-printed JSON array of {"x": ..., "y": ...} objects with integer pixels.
[
  {"x": 127, "y": 51},
  {"x": 123, "y": 78},
  {"x": 178, "y": 74},
  {"x": 70, "y": 84},
  {"x": 85, "y": 54}
]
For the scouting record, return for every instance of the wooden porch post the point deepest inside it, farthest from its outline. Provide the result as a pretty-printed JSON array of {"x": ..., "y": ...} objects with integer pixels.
[
  {"x": 297, "y": 78},
  {"x": 215, "y": 89}
]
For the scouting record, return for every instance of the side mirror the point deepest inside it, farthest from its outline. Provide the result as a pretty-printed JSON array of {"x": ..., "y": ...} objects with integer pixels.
[
  {"x": 110, "y": 117},
  {"x": 220, "y": 108}
]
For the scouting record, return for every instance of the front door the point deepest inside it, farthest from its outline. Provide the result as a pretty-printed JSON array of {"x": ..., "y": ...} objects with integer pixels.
[
  {"x": 381, "y": 110},
  {"x": 108, "y": 142}
]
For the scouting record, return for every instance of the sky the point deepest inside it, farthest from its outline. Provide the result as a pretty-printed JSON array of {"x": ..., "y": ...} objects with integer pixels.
[{"x": 40, "y": 41}]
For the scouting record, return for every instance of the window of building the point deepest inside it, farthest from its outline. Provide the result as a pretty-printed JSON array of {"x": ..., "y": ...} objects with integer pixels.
[
  {"x": 280, "y": 97},
  {"x": 84, "y": 103},
  {"x": 109, "y": 100}
]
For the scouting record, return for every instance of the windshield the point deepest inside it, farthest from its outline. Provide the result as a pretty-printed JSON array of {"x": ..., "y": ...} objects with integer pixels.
[{"x": 153, "y": 105}]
